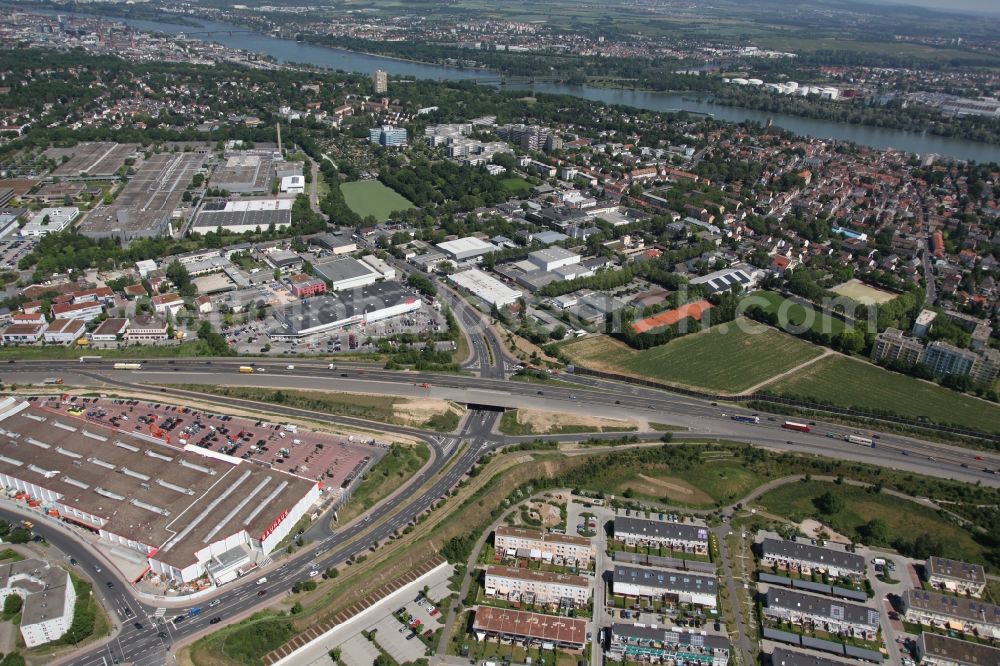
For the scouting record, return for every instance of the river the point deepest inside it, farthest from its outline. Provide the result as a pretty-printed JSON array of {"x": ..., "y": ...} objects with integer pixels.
[{"x": 286, "y": 50}]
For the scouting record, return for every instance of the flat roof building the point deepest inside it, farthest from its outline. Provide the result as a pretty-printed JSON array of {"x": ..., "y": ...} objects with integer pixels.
[
  {"x": 178, "y": 507},
  {"x": 125, "y": 224},
  {"x": 48, "y": 595},
  {"x": 486, "y": 287},
  {"x": 726, "y": 279},
  {"x": 49, "y": 221},
  {"x": 785, "y": 657},
  {"x": 463, "y": 249},
  {"x": 639, "y": 643},
  {"x": 338, "y": 243},
  {"x": 293, "y": 184},
  {"x": 805, "y": 557},
  {"x": 241, "y": 216},
  {"x": 552, "y": 258},
  {"x": 346, "y": 273},
  {"x": 545, "y": 631},
  {"x": 331, "y": 311},
  {"x": 954, "y": 576}
]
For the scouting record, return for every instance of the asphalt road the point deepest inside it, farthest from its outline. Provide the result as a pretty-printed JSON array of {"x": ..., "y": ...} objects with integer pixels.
[{"x": 486, "y": 396}]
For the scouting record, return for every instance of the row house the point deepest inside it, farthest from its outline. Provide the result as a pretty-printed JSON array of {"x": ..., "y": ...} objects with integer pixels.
[
  {"x": 805, "y": 558},
  {"x": 685, "y": 537},
  {"x": 831, "y": 615},
  {"x": 535, "y": 544}
]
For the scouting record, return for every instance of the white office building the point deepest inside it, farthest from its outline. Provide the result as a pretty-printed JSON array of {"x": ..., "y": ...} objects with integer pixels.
[
  {"x": 485, "y": 287},
  {"x": 49, "y": 221},
  {"x": 552, "y": 258},
  {"x": 48, "y": 596}
]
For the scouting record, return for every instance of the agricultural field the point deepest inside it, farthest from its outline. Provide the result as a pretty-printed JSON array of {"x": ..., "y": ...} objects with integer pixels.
[
  {"x": 904, "y": 521},
  {"x": 728, "y": 357},
  {"x": 371, "y": 197},
  {"x": 795, "y": 317},
  {"x": 854, "y": 383},
  {"x": 862, "y": 293}
]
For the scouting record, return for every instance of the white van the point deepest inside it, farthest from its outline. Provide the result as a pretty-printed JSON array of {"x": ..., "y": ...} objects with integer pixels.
[{"x": 262, "y": 580}]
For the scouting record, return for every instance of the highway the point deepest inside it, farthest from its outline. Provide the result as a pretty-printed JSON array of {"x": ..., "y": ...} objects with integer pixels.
[{"x": 486, "y": 396}]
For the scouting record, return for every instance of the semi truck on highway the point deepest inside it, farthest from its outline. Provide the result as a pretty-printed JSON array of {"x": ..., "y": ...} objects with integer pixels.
[
  {"x": 799, "y": 427},
  {"x": 863, "y": 441},
  {"x": 246, "y": 370},
  {"x": 746, "y": 419},
  {"x": 128, "y": 366}
]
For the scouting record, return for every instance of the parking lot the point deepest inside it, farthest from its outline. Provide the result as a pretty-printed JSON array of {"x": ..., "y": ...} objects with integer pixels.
[
  {"x": 12, "y": 249},
  {"x": 335, "y": 461}
]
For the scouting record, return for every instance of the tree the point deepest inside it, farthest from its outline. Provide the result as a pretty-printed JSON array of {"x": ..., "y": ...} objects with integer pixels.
[
  {"x": 19, "y": 535},
  {"x": 875, "y": 532},
  {"x": 12, "y": 605},
  {"x": 381, "y": 660},
  {"x": 828, "y": 503},
  {"x": 335, "y": 654}
]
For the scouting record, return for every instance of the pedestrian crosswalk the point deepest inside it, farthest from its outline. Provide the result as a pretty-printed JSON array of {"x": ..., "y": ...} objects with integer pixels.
[{"x": 160, "y": 612}]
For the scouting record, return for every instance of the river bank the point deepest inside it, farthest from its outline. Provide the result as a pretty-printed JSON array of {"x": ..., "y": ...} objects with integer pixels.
[{"x": 291, "y": 51}]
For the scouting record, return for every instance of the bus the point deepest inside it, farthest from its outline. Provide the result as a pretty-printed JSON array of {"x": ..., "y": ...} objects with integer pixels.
[
  {"x": 863, "y": 441},
  {"x": 88, "y": 359},
  {"x": 128, "y": 366},
  {"x": 246, "y": 369},
  {"x": 746, "y": 419}
]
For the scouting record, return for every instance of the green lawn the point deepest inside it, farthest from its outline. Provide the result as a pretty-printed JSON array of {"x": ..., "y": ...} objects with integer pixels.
[
  {"x": 388, "y": 474},
  {"x": 793, "y": 315},
  {"x": 725, "y": 358},
  {"x": 371, "y": 197},
  {"x": 904, "y": 520},
  {"x": 516, "y": 187},
  {"x": 855, "y": 383}
]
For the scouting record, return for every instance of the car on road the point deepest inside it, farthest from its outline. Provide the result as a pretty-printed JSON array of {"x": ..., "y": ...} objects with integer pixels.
[
  {"x": 215, "y": 620},
  {"x": 180, "y": 618},
  {"x": 215, "y": 603},
  {"x": 110, "y": 584},
  {"x": 261, "y": 580},
  {"x": 137, "y": 625},
  {"x": 313, "y": 573},
  {"x": 162, "y": 634},
  {"x": 262, "y": 593},
  {"x": 73, "y": 561},
  {"x": 97, "y": 568}
]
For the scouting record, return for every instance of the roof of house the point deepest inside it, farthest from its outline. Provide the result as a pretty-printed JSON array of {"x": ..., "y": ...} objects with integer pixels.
[
  {"x": 533, "y": 625},
  {"x": 626, "y": 525},
  {"x": 942, "y": 567},
  {"x": 817, "y": 606},
  {"x": 665, "y": 580},
  {"x": 804, "y": 552}
]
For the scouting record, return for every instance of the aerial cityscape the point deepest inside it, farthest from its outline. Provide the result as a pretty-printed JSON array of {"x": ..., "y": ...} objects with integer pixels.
[{"x": 444, "y": 333}]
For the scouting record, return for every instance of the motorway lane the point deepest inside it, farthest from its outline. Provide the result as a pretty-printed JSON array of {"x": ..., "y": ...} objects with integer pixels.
[{"x": 616, "y": 400}]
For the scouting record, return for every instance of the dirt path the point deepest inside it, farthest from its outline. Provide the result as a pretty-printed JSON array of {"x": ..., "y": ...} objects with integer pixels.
[{"x": 781, "y": 375}]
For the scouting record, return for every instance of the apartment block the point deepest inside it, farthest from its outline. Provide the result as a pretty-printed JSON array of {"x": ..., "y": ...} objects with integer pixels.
[
  {"x": 686, "y": 537},
  {"x": 805, "y": 558},
  {"x": 892, "y": 345},
  {"x": 831, "y": 615},
  {"x": 671, "y": 586},
  {"x": 660, "y": 645},
  {"x": 944, "y": 610},
  {"x": 535, "y": 544},
  {"x": 537, "y": 587}
]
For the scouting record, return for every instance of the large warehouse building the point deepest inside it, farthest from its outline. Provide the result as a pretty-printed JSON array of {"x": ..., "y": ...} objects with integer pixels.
[
  {"x": 485, "y": 287},
  {"x": 186, "y": 509},
  {"x": 328, "y": 312},
  {"x": 347, "y": 273},
  {"x": 240, "y": 216},
  {"x": 463, "y": 249}
]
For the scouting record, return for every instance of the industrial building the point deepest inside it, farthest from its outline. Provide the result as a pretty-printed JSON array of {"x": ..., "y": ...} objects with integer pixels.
[
  {"x": 662, "y": 645},
  {"x": 552, "y": 258},
  {"x": 686, "y": 537},
  {"x": 537, "y": 587},
  {"x": 346, "y": 273},
  {"x": 64, "y": 331},
  {"x": 486, "y": 287},
  {"x": 241, "y": 216},
  {"x": 831, "y": 615},
  {"x": 245, "y": 172},
  {"x": 386, "y": 270},
  {"x": 337, "y": 243},
  {"x": 939, "y": 650},
  {"x": 463, "y": 249},
  {"x": 545, "y": 631},
  {"x": 805, "y": 558},
  {"x": 672, "y": 586},
  {"x": 178, "y": 507},
  {"x": 293, "y": 184},
  {"x": 49, "y": 221},
  {"x": 48, "y": 595},
  {"x": 126, "y": 224},
  {"x": 328, "y": 312},
  {"x": 538, "y": 545}
]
